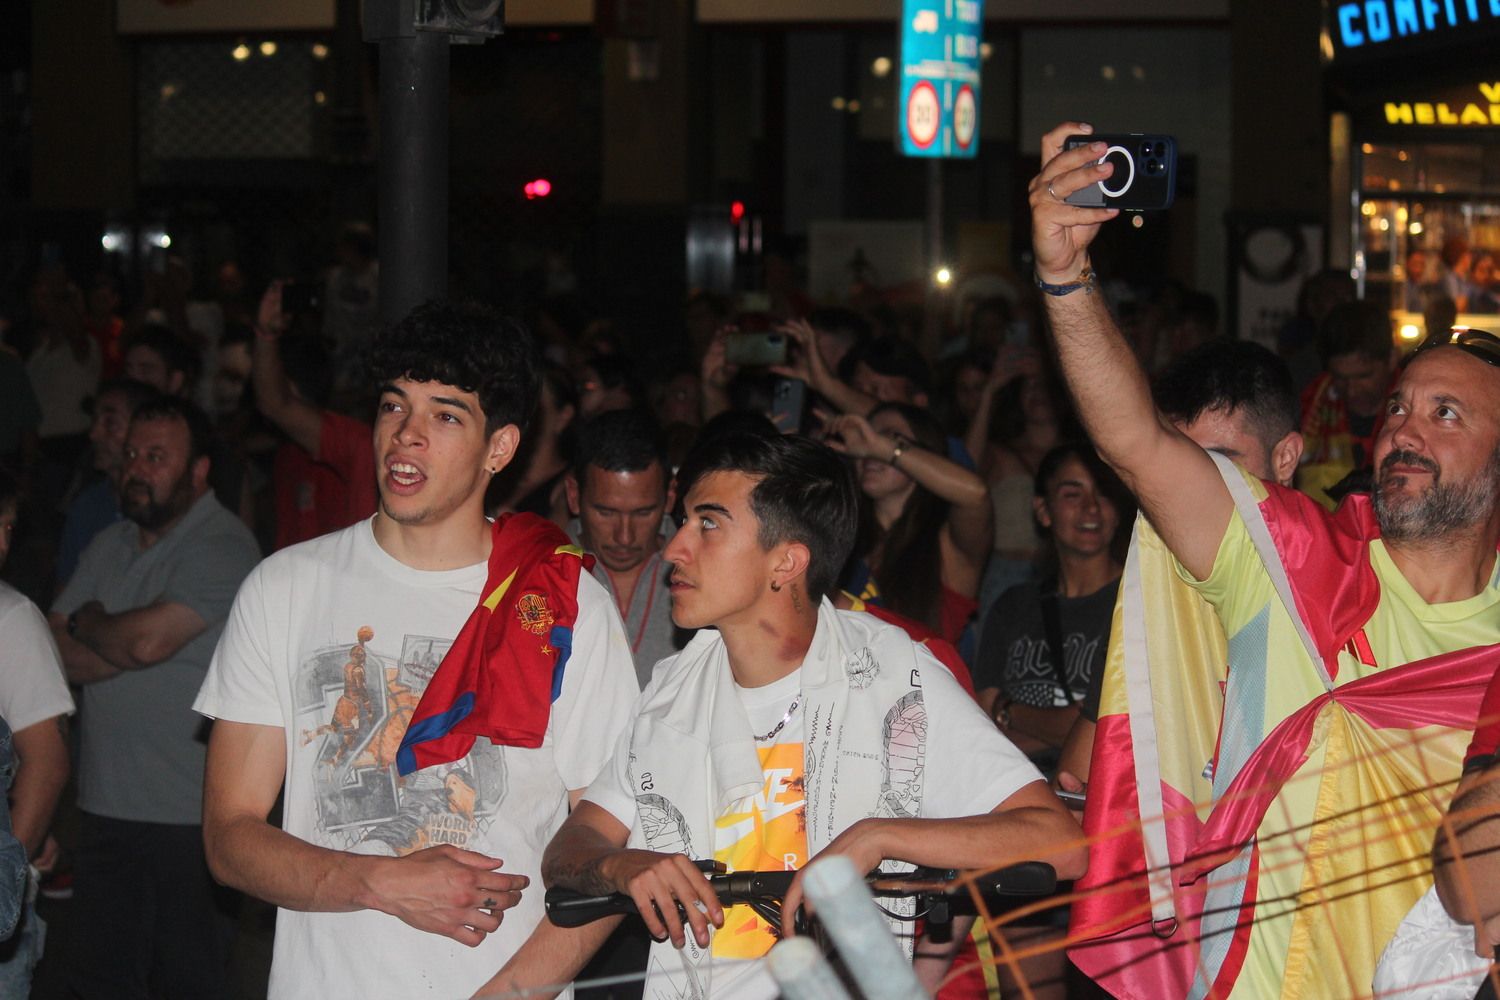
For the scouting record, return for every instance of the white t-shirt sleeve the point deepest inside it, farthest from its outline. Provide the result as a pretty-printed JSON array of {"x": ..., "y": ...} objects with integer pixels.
[
  {"x": 32, "y": 688},
  {"x": 971, "y": 766},
  {"x": 611, "y": 790},
  {"x": 241, "y": 681},
  {"x": 599, "y": 689}
]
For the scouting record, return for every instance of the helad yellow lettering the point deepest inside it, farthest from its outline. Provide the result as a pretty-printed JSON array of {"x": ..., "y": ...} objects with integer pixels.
[
  {"x": 1474, "y": 115},
  {"x": 1491, "y": 92},
  {"x": 1425, "y": 114},
  {"x": 1446, "y": 117},
  {"x": 1397, "y": 114}
]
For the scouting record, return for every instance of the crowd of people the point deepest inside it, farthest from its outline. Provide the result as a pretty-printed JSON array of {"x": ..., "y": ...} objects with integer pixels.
[{"x": 389, "y": 626}]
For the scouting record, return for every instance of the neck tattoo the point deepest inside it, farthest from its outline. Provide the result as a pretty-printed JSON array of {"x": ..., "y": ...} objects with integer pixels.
[{"x": 784, "y": 720}]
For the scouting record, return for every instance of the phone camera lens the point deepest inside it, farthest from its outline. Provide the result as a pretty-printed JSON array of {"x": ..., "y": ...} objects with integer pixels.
[{"x": 1153, "y": 167}]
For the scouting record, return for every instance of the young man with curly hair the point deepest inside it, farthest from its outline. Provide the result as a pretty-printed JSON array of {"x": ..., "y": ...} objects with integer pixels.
[{"x": 395, "y": 884}]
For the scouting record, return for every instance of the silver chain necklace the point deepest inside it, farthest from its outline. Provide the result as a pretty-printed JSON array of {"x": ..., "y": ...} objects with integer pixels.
[{"x": 784, "y": 720}]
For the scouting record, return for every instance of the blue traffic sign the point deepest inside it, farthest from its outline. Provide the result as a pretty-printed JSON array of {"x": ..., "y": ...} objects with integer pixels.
[{"x": 938, "y": 113}]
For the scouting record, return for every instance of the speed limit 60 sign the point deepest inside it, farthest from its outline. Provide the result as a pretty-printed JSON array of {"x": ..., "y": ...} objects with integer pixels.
[{"x": 938, "y": 113}]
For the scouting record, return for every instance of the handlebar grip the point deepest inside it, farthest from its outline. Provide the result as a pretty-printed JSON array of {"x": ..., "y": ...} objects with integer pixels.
[
  {"x": 566, "y": 908},
  {"x": 1029, "y": 878}
]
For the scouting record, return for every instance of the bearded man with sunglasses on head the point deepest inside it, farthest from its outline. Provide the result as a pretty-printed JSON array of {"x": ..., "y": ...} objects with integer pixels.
[{"x": 1360, "y": 644}]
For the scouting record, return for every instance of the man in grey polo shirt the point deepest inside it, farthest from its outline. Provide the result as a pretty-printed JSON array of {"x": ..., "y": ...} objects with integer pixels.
[
  {"x": 136, "y": 626},
  {"x": 619, "y": 491}
]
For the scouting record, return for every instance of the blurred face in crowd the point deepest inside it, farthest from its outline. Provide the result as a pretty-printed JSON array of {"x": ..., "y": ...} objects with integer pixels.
[
  {"x": 887, "y": 388},
  {"x": 1362, "y": 382},
  {"x": 231, "y": 378},
  {"x": 107, "y": 432},
  {"x": 878, "y": 478},
  {"x": 160, "y": 479},
  {"x": 620, "y": 513},
  {"x": 1437, "y": 459},
  {"x": 1036, "y": 402},
  {"x": 1081, "y": 518},
  {"x": 720, "y": 573},
  {"x": 103, "y": 300},
  {"x": 231, "y": 280},
  {"x": 432, "y": 456},
  {"x": 989, "y": 328},
  {"x": 1416, "y": 267},
  {"x": 833, "y": 345},
  {"x": 594, "y": 397},
  {"x": 681, "y": 401},
  {"x": 1484, "y": 270},
  {"x": 968, "y": 384},
  {"x": 145, "y": 365}
]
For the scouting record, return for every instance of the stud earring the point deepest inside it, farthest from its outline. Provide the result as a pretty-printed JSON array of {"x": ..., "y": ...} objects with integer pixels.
[{"x": 775, "y": 587}]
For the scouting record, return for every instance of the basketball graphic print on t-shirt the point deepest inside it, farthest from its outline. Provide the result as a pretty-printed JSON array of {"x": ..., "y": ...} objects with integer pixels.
[{"x": 353, "y": 705}]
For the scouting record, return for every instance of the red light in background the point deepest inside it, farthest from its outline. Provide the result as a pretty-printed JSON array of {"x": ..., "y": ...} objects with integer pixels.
[
  {"x": 539, "y": 188},
  {"x": 736, "y": 211}
]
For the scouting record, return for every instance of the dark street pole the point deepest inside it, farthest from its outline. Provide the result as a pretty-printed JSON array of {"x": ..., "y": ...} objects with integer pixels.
[
  {"x": 413, "y": 172},
  {"x": 413, "y": 205}
]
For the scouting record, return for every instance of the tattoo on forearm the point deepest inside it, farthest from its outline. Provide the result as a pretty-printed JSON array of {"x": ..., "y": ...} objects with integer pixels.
[{"x": 582, "y": 876}]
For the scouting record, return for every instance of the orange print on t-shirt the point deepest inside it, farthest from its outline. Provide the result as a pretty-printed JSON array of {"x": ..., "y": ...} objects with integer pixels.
[{"x": 766, "y": 831}]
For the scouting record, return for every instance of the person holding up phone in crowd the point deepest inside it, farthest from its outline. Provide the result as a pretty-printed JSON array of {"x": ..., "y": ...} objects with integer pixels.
[{"x": 1369, "y": 625}]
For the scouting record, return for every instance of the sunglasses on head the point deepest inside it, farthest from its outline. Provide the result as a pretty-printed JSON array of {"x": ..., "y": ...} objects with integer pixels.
[{"x": 1480, "y": 343}]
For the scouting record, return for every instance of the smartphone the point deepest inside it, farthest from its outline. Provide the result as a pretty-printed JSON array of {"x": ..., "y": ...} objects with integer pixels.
[
  {"x": 1073, "y": 800},
  {"x": 1145, "y": 176},
  {"x": 787, "y": 400},
  {"x": 756, "y": 350},
  {"x": 300, "y": 297}
]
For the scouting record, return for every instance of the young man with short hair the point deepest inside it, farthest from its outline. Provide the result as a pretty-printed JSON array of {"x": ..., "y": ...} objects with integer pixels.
[
  {"x": 619, "y": 490},
  {"x": 396, "y": 884},
  {"x": 785, "y": 730}
]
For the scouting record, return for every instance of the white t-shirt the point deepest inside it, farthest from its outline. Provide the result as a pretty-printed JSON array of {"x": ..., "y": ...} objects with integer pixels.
[
  {"x": 970, "y": 768},
  {"x": 334, "y": 641},
  {"x": 32, "y": 687}
]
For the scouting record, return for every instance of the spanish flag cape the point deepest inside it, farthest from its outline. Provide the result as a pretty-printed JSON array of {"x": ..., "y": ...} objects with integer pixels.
[
  {"x": 1181, "y": 785},
  {"x": 505, "y": 668}
]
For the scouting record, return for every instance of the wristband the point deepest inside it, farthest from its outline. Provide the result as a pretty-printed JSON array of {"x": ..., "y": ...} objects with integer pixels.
[
  {"x": 1002, "y": 716},
  {"x": 1086, "y": 280}
]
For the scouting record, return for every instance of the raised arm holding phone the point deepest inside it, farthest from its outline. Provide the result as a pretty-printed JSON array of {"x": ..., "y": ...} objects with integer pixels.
[{"x": 1376, "y": 623}]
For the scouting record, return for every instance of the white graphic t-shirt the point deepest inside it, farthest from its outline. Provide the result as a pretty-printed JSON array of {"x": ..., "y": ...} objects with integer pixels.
[
  {"x": 334, "y": 641},
  {"x": 960, "y": 765}
]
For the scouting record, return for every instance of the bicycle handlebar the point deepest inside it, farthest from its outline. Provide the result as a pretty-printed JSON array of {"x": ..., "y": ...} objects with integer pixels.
[{"x": 764, "y": 891}]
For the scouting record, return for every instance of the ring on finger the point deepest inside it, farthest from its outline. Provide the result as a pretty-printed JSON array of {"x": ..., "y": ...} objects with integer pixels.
[{"x": 1052, "y": 192}]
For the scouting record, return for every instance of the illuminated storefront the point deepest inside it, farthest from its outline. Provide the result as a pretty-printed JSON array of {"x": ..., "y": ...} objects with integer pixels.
[{"x": 1415, "y": 94}]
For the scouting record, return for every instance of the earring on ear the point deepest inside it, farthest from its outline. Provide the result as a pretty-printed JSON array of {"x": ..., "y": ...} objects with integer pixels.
[{"x": 775, "y": 587}]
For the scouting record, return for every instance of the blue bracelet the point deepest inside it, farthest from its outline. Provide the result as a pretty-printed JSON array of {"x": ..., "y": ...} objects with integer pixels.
[{"x": 1086, "y": 281}]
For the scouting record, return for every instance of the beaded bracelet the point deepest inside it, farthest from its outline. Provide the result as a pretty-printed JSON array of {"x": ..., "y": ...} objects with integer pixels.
[{"x": 1085, "y": 280}]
